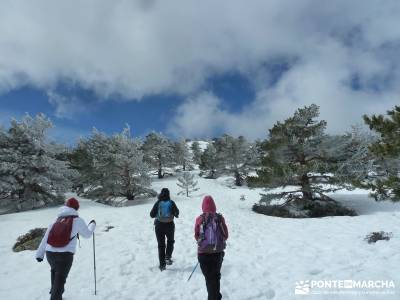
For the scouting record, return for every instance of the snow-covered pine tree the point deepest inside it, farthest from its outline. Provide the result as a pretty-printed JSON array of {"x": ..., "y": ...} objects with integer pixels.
[
  {"x": 196, "y": 152},
  {"x": 129, "y": 171},
  {"x": 158, "y": 152},
  {"x": 81, "y": 160},
  {"x": 91, "y": 159},
  {"x": 187, "y": 183},
  {"x": 296, "y": 155},
  {"x": 209, "y": 161},
  {"x": 386, "y": 184},
  {"x": 236, "y": 156},
  {"x": 115, "y": 166},
  {"x": 355, "y": 163},
  {"x": 31, "y": 176},
  {"x": 182, "y": 155}
]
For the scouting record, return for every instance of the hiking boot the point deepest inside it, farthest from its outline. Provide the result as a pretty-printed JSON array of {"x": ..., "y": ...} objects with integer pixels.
[
  {"x": 168, "y": 261},
  {"x": 162, "y": 267}
]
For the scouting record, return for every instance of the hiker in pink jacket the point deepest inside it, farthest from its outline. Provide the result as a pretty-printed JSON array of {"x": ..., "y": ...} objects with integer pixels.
[{"x": 211, "y": 233}]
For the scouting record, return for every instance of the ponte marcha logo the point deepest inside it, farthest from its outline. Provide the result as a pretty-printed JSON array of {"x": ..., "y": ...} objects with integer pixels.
[
  {"x": 307, "y": 287},
  {"x": 302, "y": 287}
]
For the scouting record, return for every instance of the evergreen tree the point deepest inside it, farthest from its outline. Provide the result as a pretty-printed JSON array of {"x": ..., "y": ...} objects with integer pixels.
[
  {"x": 209, "y": 161},
  {"x": 235, "y": 156},
  {"x": 158, "y": 152},
  {"x": 355, "y": 162},
  {"x": 187, "y": 183},
  {"x": 31, "y": 175},
  {"x": 91, "y": 158},
  {"x": 182, "y": 154},
  {"x": 113, "y": 166},
  {"x": 386, "y": 182},
  {"x": 128, "y": 173},
  {"x": 296, "y": 154},
  {"x": 81, "y": 161},
  {"x": 196, "y": 152}
]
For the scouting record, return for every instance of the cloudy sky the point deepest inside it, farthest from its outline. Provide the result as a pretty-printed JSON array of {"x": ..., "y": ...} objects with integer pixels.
[{"x": 197, "y": 68}]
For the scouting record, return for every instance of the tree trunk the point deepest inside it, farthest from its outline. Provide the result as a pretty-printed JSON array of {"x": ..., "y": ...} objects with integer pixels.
[
  {"x": 306, "y": 187},
  {"x": 212, "y": 174},
  {"x": 238, "y": 179},
  {"x": 160, "y": 174}
]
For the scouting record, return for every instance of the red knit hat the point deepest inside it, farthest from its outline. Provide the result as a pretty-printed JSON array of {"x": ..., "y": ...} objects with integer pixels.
[{"x": 73, "y": 203}]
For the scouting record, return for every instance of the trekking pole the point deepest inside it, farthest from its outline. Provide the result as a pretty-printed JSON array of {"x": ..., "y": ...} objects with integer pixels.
[
  {"x": 194, "y": 269},
  {"x": 94, "y": 264}
]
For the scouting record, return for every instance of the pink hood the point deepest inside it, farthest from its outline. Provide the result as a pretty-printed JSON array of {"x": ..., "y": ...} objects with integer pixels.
[{"x": 208, "y": 205}]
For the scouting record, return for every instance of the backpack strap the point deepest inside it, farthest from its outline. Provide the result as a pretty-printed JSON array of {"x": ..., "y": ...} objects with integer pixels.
[
  {"x": 73, "y": 217},
  {"x": 203, "y": 225},
  {"x": 64, "y": 217},
  {"x": 158, "y": 210}
]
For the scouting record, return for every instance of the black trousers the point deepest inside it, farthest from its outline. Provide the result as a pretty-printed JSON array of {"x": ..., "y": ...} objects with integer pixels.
[
  {"x": 165, "y": 230},
  {"x": 60, "y": 263},
  {"x": 210, "y": 265}
]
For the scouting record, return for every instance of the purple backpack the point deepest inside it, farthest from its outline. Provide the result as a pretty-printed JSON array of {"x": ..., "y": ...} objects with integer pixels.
[{"x": 212, "y": 236}]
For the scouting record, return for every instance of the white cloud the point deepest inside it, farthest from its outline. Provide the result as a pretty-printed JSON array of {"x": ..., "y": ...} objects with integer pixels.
[
  {"x": 199, "y": 116},
  {"x": 137, "y": 48},
  {"x": 66, "y": 107}
]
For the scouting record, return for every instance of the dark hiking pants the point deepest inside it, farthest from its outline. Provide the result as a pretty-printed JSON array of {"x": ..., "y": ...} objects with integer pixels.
[
  {"x": 165, "y": 230},
  {"x": 60, "y": 263},
  {"x": 210, "y": 265}
]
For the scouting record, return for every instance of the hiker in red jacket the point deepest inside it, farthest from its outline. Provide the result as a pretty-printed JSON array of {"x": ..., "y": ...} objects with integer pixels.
[
  {"x": 59, "y": 244},
  {"x": 211, "y": 233}
]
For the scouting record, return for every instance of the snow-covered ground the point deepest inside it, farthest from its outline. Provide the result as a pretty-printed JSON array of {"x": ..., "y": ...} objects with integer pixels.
[{"x": 264, "y": 258}]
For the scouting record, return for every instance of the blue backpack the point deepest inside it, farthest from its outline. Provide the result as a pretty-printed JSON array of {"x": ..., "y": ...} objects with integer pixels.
[{"x": 165, "y": 211}]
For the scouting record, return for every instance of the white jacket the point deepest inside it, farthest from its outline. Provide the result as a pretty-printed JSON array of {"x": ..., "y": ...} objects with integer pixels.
[{"x": 78, "y": 226}]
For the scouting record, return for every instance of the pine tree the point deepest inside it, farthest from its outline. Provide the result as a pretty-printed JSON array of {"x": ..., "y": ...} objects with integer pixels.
[
  {"x": 235, "y": 156},
  {"x": 113, "y": 166},
  {"x": 81, "y": 161},
  {"x": 182, "y": 155},
  {"x": 386, "y": 184},
  {"x": 209, "y": 161},
  {"x": 355, "y": 163},
  {"x": 129, "y": 173},
  {"x": 296, "y": 154},
  {"x": 187, "y": 183},
  {"x": 31, "y": 175},
  {"x": 158, "y": 152},
  {"x": 91, "y": 158},
  {"x": 196, "y": 152}
]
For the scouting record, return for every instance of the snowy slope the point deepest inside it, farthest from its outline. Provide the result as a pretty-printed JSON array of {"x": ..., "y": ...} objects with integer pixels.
[{"x": 264, "y": 258}]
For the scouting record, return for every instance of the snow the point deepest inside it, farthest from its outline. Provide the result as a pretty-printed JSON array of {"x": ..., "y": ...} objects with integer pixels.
[
  {"x": 264, "y": 258},
  {"x": 202, "y": 145}
]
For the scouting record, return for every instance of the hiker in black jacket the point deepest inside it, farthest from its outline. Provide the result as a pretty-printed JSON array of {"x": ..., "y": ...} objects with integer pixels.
[{"x": 164, "y": 210}]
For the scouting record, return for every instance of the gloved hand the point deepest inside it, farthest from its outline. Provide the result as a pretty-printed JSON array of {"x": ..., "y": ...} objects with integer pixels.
[
  {"x": 93, "y": 221},
  {"x": 39, "y": 259}
]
